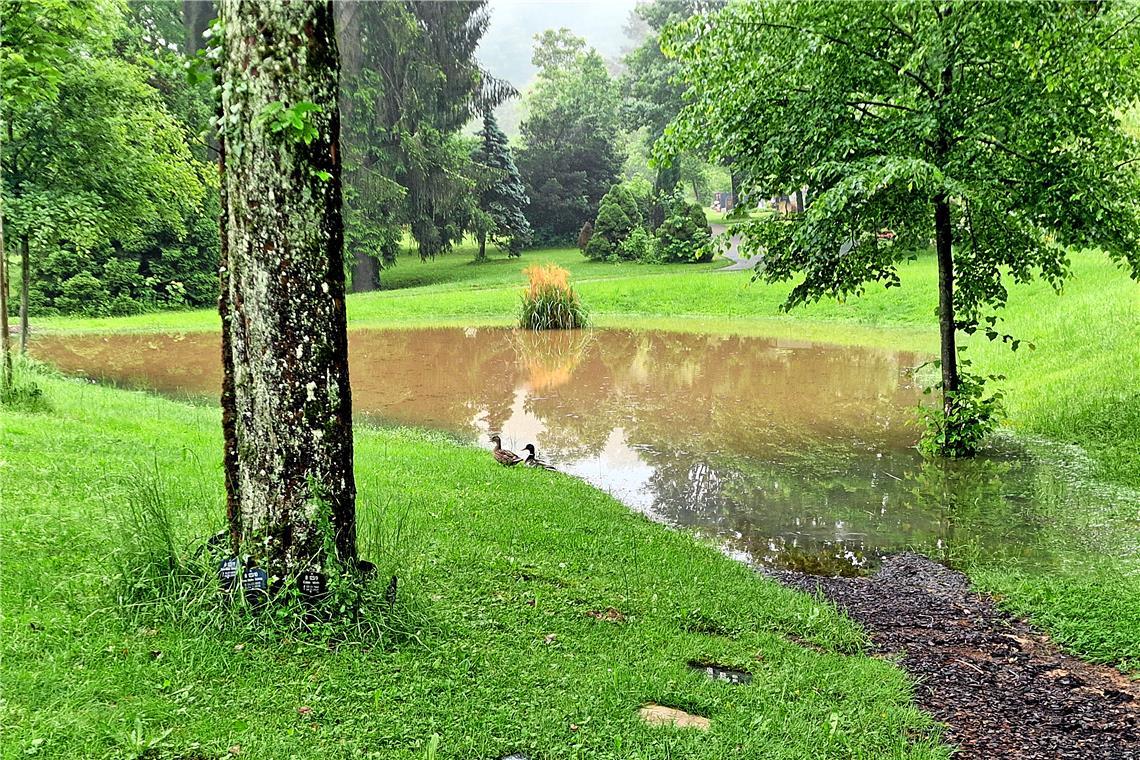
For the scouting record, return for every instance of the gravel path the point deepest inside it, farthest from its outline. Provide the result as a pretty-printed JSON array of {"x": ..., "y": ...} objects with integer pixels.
[{"x": 1003, "y": 689}]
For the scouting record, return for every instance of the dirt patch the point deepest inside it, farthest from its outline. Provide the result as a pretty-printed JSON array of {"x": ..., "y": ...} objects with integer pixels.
[{"x": 1002, "y": 688}]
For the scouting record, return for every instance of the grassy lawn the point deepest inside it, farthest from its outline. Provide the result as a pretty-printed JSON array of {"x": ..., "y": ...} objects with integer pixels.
[{"x": 499, "y": 570}]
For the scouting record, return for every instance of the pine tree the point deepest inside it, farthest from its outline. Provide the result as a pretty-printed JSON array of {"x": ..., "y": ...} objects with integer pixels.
[{"x": 504, "y": 196}]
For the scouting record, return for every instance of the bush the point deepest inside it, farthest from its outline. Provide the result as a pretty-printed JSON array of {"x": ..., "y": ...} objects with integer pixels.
[
  {"x": 969, "y": 416},
  {"x": 550, "y": 303},
  {"x": 618, "y": 216},
  {"x": 584, "y": 235},
  {"x": 640, "y": 246},
  {"x": 685, "y": 234}
]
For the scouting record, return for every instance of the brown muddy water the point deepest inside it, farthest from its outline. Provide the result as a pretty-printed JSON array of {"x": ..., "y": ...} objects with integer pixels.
[{"x": 788, "y": 454}]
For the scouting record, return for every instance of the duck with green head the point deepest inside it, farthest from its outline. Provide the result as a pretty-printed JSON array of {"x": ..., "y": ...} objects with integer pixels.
[{"x": 532, "y": 461}]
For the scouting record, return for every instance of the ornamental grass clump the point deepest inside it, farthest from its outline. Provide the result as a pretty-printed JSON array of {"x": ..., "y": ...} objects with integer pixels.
[{"x": 549, "y": 302}]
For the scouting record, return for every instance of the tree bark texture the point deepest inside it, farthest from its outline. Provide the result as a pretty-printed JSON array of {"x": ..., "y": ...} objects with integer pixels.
[
  {"x": 25, "y": 285},
  {"x": 287, "y": 408},
  {"x": 944, "y": 241},
  {"x": 5, "y": 336}
]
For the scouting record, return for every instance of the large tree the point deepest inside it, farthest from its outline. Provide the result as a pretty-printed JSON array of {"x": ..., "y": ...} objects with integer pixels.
[
  {"x": 570, "y": 155},
  {"x": 286, "y": 401},
  {"x": 991, "y": 128}
]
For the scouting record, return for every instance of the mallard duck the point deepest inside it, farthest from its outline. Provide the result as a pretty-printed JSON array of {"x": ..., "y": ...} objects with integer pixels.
[
  {"x": 502, "y": 456},
  {"x": 531, "y": 461}
]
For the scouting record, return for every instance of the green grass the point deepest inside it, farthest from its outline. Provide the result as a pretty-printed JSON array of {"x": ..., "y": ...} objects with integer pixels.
[
  {"x": 499, "y": 569},
  {"x": 1080, "y": 386}
]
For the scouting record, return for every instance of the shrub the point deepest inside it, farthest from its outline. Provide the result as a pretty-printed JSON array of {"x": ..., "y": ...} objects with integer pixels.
[
  {"x": 959, "y": 429},
  {"x": 640, "y": 246},
  {"x": 549, "y": 302},
  {"x": 685, "y": 234}
]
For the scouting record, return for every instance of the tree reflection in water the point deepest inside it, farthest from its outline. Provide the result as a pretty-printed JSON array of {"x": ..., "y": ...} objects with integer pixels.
[{"x": 792, "y": 454}]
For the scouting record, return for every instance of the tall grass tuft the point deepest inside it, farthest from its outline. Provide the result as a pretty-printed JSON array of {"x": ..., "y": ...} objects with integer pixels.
[
  {"x": 549, "y": 302},
  {"x": 162, "y": 574},
  {"x": 23, "y": 393}
]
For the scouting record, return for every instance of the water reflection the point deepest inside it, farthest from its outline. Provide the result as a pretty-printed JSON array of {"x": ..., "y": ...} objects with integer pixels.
[{"x": 789, "y": 454}]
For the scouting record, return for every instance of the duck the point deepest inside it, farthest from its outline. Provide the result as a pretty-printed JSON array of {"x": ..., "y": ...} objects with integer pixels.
[
  {"x": 502, "y": 456},
  {"x": 531, "y": 461}
]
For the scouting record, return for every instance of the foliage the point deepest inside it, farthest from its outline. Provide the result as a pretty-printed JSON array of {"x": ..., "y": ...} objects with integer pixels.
[
  {"x": 503, "y": 197},
  {"x": 958, "y": 428},
  {"x": 684, "y": 234},
  {"x": 99, "y": 176},
  {"x": 618, "y": 216},
  {"x": 585, "y": 234},
  {"x": 569, "y": 157},
  {"x": 641, "y": 246},
  {"x": 410, "y": 83},
  {"x": 24, "y": 392},
  {"x": 549, "y": 302},
  {"x": 917, "y": 118}
]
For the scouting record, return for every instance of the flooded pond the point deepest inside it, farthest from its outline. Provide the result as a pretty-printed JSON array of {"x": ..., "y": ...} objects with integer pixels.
[{"x": 788, "y": 454}]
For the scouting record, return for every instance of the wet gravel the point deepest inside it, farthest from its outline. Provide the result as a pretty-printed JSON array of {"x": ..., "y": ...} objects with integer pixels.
[{"x": 1001, "y": 687}]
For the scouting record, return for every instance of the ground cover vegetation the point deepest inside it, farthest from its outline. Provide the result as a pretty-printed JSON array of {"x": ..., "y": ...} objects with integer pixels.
[{"x": 498, "y": 603}]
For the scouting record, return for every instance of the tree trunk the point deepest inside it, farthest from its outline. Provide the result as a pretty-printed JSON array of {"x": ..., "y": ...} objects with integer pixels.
[
  {"x": 25, "y": 282},
  {"x": 482, "y": 255},
  {"x": 365, "y": 273},
  {"x": 287, "y": 409},
  {"x": 944, "y": 236},
  {"x": 5, "y": 336},
  {"x": 196, "y": 17}
]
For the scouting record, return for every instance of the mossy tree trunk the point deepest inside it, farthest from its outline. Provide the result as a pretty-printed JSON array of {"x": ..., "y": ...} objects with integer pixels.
[{"x": 286, "y": 401}]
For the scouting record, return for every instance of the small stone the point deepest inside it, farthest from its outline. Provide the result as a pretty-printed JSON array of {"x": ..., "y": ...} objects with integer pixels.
[{"x": 659, "y": 715}]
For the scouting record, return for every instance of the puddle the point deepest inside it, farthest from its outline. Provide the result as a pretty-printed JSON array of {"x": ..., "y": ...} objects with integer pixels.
[{"x": 788, "y": 454}]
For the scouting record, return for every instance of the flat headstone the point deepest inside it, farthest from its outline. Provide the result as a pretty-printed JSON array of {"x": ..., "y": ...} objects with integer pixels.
[
  {"x": 660, "y": 715},
  {"x": 721, "y": 672},
  {"x": 227, "y": 571}
]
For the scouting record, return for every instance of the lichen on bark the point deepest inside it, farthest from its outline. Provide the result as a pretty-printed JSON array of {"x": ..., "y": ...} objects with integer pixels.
[{"x": 286, "y": 399}]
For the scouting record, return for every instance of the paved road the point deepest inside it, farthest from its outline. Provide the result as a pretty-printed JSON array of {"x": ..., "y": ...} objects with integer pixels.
[{"x": 739, "y": 261}]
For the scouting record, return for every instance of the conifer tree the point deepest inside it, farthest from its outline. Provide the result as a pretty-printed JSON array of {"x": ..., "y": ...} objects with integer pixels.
[{"x": 503, "y": 197}]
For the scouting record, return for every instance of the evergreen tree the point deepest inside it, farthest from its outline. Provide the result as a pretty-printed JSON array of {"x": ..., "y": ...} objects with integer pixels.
[{"x": 503, "y": 197}]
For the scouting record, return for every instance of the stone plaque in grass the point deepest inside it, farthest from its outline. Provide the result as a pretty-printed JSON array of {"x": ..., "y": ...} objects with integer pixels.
[
  {"x": 660, "y": 715},
  {"x": 312, "y": 585},
  {"x": 227, "y": 571},
  {"x": 721, "y": 672},
  {"x": 255, "y": 583}
]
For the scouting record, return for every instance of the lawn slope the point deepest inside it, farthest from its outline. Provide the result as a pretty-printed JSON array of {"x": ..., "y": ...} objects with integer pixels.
[{"x": 499, "y": 571}]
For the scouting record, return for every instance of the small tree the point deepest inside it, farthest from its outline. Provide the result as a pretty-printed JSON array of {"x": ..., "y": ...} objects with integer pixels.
[
  {"x": 503, "y": 197},
  {"x": 684, "y": 234},
  {"x": 991, "y": 128},
  {"x": 286, "y": 401},
  {"x": 611, "y": 227}
]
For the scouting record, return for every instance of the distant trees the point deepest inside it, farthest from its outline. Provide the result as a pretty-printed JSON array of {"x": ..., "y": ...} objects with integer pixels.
[
  {"x": 570, "y": 157},
  {"x": 102, "y": 193},
  {"x": 502, "y": 196},
  {"x": 410, "y": 83},
  {"x": 286, "y": 400},
  {"x": 992, "y": 129}
]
